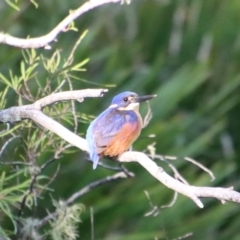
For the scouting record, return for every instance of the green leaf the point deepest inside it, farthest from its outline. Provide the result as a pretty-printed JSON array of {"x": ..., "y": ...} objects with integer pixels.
[
  {"x": 3, "y": 97},
  {"x": 13, "y": 5},
  {"x": 4, "y": 80},
  {"x": 78, "y": 66},
  {"x": 34, "y": 3}
]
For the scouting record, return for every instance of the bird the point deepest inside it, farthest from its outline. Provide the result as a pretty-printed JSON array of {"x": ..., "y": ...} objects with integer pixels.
[{"x": 115, "y": 129}]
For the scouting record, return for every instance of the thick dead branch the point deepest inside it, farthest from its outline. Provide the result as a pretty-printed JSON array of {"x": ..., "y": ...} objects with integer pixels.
[{"x": 193, "y": 192}]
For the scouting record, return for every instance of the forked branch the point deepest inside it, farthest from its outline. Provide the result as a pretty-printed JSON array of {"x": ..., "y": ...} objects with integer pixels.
[
  {"x": 33, "y": 112},
  {"x": 193, "y": 192}
]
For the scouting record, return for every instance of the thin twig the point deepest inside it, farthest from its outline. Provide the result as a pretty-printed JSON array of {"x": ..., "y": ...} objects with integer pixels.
[
  {"x": 193, "y": 192},
  {"x": 7, "y": 142},
  {"x": 92, "y": 223},
  {"x": 148, "y": 115},
  {"x": 154, "y": 211},
  {"x": 201, "y": 166},
  {"x": 82, "y": 192},
  {"x": 56, "y": 156},
  {"x": 53, "y": 177},
  {"x": 73, "y": 108},
  {"x": 92, "y": 185},
  {"x": 126, "y": 171},
  {"x": 59, "y": 86},
  {"x": 175, "y": 195},
  {"x": 172, "y": 158},
  {"x": 177, "y": 175}
]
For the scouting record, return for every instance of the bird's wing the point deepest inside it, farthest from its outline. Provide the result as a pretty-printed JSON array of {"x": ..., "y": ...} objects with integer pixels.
[{"x": 107, "y": 127}]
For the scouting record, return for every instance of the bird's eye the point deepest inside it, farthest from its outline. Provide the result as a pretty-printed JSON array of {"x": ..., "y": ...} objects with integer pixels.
[{"x": 125, "y": 99}]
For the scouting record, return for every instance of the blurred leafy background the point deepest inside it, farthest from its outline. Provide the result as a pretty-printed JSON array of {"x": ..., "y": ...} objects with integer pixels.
[{"x": 188, "y": 53}]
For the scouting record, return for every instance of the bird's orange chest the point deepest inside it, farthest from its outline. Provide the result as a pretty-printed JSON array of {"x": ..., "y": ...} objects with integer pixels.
[{"x": 127, "y": 134}]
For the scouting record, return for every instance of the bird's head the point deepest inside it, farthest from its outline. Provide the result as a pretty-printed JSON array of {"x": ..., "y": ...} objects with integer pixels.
[{"x": 129, "y": 101}]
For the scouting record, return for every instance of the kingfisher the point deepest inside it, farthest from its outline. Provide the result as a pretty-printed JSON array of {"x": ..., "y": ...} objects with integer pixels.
[{"x": 116, "y": 128}]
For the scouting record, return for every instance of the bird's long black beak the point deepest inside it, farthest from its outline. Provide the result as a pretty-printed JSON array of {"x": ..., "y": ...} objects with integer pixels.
[{"x": 144, "y": 98}]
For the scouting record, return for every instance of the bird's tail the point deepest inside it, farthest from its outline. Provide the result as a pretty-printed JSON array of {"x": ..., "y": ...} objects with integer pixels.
[{"x": 95, "y": 159}]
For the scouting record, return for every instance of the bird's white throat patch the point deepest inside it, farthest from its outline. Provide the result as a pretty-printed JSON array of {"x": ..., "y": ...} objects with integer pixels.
[{"x": 131, "y": 106}]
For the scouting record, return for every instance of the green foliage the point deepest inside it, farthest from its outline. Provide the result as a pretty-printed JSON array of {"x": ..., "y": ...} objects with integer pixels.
[
  {"x": 64, "y": 226},
  {"x": 12, "y": 191},
  {"x": 40, "y": 74},
  {"x": 12, "y": 4}
]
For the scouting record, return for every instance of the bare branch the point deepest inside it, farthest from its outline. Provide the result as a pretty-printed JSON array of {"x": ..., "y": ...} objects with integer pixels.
[
  {"x": 44, "y": 41},
  {"x": 193, "y": 192},
  {"x": 82, "y": 192},
  {"x": 69, "y": 95},
  {"x": 184, "y": 236},
  {"x": 32, "y": 111},
  {"x": 52, "y": 125},
  {"x": 73, "y": 104},
  {"x": 35, "y": 171},
  {"x": 154, "y": 211},
  {"x": 148, "y": 115},
  {"x": 93, "y": 185}
]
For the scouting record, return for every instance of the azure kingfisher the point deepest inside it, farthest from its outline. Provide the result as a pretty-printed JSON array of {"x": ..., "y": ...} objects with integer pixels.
[{"x": 116, "y": 128}]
